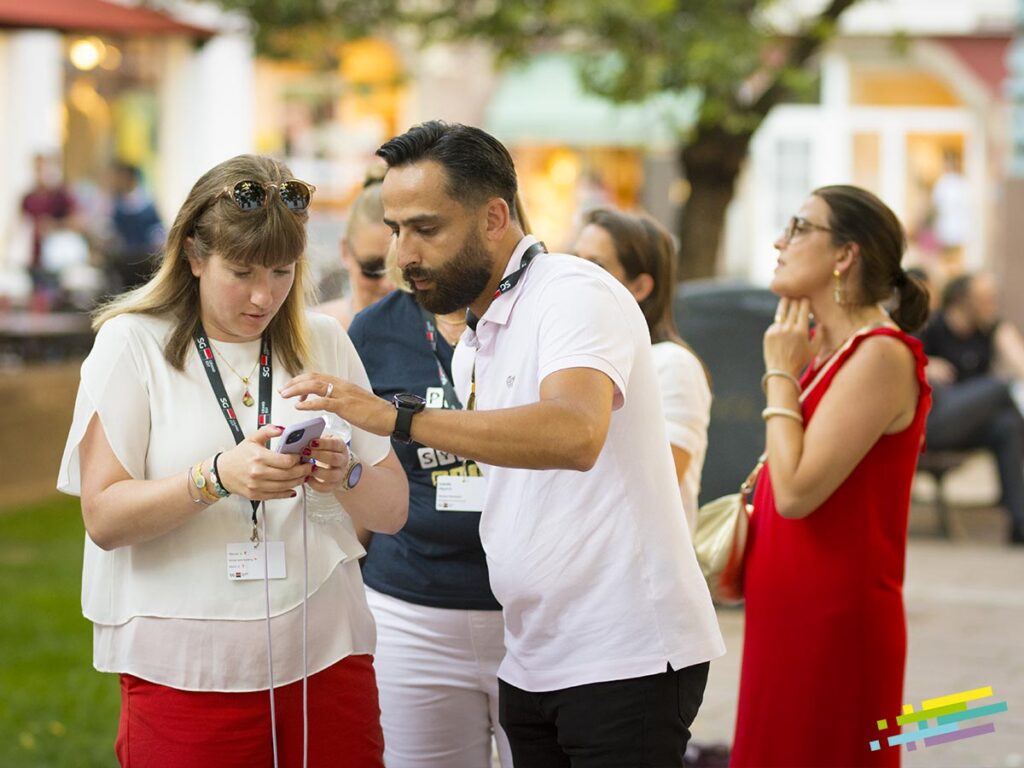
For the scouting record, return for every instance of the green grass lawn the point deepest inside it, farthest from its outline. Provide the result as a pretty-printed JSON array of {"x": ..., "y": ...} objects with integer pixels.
[{"x": 55, "y": 710}]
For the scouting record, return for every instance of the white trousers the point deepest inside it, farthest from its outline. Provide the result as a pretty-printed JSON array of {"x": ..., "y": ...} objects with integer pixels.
[{"x": 437, "y": 672}]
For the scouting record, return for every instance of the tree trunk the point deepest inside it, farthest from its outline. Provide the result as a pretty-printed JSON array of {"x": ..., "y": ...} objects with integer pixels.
[{"x": 711, "y": 163}]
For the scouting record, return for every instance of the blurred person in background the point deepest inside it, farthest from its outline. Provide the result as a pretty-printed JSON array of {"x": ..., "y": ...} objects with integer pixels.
[
  {"x": 844, "y": 425},
  {"x": 135, "y": 232},
  {"x": 974, "y": 356},
  {"x": 174, "y": 375},
  {"x": 48, "y": 206},
  {"x": 640, "y": 254},
  {"x": 363, "y": 253}
]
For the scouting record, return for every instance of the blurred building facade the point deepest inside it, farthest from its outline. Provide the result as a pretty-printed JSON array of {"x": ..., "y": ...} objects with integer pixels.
[
  {"x": 909, "y": 90},
  {"x": 912, "y": 105},
  {"x": 89, "y": 82}
]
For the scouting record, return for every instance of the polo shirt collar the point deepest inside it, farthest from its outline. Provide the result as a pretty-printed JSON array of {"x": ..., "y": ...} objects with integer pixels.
[{"x": 501, "y": 307}]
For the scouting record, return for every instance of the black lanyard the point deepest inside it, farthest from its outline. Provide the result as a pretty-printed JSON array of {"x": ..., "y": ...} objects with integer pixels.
[
  {"x": 266, "y": 389},
  {"x": 451, "y": 399},
  {"x": 510, "y": 282},
  {"x": 504, "y": 287}
]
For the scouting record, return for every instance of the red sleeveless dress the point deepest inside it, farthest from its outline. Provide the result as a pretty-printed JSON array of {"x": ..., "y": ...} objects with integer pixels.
[{"x": 825, "y": 638}]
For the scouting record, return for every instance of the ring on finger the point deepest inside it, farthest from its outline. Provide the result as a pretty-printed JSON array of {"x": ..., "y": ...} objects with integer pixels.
[{"x": 330, "y": 388}]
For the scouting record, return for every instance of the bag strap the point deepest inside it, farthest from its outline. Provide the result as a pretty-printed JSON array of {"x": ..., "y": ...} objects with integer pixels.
[{"x": 834, "y": 357}]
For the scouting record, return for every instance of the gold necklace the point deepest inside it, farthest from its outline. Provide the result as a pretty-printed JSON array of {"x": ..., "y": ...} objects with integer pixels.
[
  {"x": 247, "y": 398},
  {"x": 449, "y": 325}
]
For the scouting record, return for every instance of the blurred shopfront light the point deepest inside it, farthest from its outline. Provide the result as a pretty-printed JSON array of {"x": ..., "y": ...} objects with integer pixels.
[
  {"x": 86, "y": 53},
  {"x": 111, "y": 58}
]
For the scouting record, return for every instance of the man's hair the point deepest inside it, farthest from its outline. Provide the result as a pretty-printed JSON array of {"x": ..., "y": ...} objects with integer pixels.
[
  {"x": 477, "y": 166},
  {"x": 956, "y": 291}
]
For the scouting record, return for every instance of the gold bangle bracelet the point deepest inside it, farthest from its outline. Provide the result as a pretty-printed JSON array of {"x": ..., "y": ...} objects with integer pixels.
[
  {"x": 189, "y": 485},
  {"x": 199, "y": 480},
  {"x": 789, "y": 413},
  {"x": 780, "y": 373}
]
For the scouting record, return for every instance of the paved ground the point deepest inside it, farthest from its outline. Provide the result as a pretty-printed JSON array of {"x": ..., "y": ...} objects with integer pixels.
[{"x": 965, "y": 610}]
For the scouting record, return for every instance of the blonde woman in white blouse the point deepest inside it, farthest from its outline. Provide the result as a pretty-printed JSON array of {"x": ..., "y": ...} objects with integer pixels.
[
  {"x": 640, "y": 254},
  {"x": 168, "y": 446}
]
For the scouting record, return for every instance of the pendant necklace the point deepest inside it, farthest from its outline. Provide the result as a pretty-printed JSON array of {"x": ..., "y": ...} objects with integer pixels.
[{"x": 247, "y": 399}]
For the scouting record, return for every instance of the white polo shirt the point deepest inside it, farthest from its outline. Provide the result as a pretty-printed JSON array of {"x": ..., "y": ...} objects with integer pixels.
[{"x": 595, "y": 570}]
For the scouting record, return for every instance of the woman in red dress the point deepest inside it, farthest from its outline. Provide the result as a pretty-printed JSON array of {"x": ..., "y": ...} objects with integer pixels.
[{"x": 825, "y": 640}]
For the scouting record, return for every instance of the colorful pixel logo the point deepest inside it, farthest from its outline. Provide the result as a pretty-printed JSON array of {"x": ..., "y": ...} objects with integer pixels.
[{"x": 950, "y": 714}]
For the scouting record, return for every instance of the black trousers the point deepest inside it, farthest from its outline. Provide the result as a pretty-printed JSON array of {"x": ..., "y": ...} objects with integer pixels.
[
  {"x": 980, "y": 413},
  {"x": 643, "y": 722}
]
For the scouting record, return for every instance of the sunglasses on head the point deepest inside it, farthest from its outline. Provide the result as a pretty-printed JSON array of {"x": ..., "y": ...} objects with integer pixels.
[{"x": 249, "y": 194}]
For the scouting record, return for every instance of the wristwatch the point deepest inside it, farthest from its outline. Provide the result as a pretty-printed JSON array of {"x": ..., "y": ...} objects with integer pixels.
[
  {"x": 353, "y": 472},
  {"x": 407, "y": 405}
]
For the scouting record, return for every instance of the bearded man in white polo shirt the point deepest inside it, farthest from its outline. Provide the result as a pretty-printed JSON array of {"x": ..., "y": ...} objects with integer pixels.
[{"x": 609, "y": 626}]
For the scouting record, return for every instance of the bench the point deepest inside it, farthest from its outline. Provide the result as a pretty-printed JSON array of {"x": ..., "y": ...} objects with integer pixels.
[{"x": 938, "y": 464}]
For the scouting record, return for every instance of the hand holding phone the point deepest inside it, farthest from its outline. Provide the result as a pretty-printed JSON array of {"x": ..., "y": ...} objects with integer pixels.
[{"x": 297, "y": 437}]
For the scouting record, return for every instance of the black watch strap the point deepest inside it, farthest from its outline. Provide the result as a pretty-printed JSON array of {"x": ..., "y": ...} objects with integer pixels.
[{"x": 406, "y": 406}]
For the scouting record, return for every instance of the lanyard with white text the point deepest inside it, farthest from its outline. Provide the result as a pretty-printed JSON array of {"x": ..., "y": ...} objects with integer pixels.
[
  {"x": 510, "y": 282},
  {"x": 266, "y": 391},
  {"x": 504, "y": 287},
  {"x": 450, "y": 397}
]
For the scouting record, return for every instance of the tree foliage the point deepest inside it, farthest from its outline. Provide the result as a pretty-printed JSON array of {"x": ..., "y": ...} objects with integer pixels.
[
  {"x": 742, "y": 56},
  {"x": 728, "y": 50}
]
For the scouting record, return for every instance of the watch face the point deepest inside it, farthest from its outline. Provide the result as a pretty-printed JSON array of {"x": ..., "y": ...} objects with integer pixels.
[
  {"x": 354, "y": 475},
  {"x": 407, "y": 400}
]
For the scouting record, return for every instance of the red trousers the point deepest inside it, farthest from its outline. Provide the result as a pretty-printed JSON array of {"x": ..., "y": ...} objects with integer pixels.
[{"x": 164, "y": 727}]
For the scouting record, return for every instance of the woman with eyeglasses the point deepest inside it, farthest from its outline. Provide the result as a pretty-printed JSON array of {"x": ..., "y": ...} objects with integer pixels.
[
  {"x": 206, "y": 585},
  {"x": 825, "y": 635},
  {"x": 640, "y": 254},
  {"x": 363, "y": 251}
]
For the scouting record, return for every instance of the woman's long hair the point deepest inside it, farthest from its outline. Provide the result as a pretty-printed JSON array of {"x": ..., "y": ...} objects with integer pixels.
[
  {"x": 210, "y": 222},
  {"x": 643, "y": 246}
]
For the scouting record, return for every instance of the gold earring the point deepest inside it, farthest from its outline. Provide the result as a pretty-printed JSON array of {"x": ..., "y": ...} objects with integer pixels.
[{"x": 837, "y": 288}]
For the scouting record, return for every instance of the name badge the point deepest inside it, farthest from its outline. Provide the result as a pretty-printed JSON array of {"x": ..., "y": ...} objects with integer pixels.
[
  {"x": 435, "y": 397},
  {"x": 458, "y": 493},
  {"x": 245, "y": 560}
]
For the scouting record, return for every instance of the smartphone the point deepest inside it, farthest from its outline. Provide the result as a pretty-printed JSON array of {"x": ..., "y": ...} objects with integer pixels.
[{"x": 296, "y": 438}]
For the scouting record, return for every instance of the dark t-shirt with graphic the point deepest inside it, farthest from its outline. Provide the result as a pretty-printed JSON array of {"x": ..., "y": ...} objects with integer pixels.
[{"x": 436, "y": 559}]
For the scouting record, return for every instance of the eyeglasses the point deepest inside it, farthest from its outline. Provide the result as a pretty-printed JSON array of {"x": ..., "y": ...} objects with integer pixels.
[
  {"x": 249, "y": 194},
  {"x": 798, "y": 225},
  {"x": 372, "y": 268}
]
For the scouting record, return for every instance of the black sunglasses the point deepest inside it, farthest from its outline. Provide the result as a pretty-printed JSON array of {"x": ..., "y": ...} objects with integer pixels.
[
  {"x": 372, "y": 268},
  {"x": 249, "y": 194}
]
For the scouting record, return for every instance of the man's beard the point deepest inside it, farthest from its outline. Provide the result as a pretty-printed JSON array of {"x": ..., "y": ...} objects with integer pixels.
[{"x": 458, "y": 282}]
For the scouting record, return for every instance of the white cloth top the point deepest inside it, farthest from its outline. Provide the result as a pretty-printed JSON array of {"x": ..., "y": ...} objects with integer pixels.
[
  {"x": 159, "y": 422},
  {"x": 686, "y": 400},
  {"x": 595, "y": 571}
]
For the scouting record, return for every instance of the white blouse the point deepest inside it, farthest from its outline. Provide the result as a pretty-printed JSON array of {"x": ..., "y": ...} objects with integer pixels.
[
  {"x": 686, "y": 400},
  {"x": 164, "y": 610}
]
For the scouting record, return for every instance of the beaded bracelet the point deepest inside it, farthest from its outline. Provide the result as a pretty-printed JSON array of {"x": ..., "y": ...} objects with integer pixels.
[
  {"x": 789, "y": 413},
  {"x": 218, "y": 487},
  {"x": 783, "y": 374},
  {"x": 199, "y": 480}
]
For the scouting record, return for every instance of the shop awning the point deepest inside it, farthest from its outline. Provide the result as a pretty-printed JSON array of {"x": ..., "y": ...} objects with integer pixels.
[
  {"x": 93, "y": 16},
  {"x": 544, "y": 102}
]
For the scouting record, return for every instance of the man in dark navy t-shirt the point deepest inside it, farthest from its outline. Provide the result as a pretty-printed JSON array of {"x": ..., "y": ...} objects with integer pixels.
[{"x": 440, "y": 630}]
